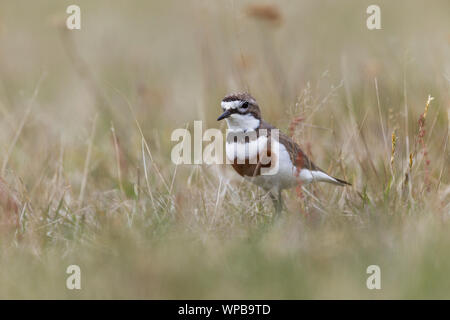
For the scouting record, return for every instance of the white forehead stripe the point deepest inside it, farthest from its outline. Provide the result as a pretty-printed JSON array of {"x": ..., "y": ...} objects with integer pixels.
[{"x": 230, "y": 104}]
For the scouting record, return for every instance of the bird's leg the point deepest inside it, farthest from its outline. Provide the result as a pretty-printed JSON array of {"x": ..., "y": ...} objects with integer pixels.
[
  {"x": 277, "y": 202},
  {"x": 280, "y": 200}
]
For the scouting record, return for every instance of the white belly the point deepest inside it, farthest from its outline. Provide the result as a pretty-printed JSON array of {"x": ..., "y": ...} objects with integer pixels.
[{"x": 283, "y": 174}]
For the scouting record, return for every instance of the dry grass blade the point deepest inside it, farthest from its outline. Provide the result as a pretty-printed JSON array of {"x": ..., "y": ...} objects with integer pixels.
[
  {"x": 87, "y": 162},
  {"x": 22, "y": 124}
]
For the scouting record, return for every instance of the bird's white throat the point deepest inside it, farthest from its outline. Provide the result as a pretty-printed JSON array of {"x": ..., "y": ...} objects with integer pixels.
[{"x": 242, "y": 122}]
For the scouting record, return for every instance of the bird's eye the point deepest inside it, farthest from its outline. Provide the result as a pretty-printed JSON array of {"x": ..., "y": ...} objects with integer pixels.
[{"x": 244, "y": 105}]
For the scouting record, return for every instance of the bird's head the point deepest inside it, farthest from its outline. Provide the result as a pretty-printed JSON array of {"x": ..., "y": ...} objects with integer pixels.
[{"x": 241, "y": 112}]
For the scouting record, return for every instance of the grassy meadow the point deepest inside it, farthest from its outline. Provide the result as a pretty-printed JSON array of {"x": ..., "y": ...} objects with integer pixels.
[{"x": 86, "y": 118}]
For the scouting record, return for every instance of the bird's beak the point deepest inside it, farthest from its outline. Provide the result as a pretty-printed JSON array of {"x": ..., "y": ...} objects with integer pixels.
[{"x": 224, "y": 115}]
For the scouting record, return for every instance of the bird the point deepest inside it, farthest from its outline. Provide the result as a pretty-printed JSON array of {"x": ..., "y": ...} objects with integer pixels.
[{"x": 247, "y": 132}]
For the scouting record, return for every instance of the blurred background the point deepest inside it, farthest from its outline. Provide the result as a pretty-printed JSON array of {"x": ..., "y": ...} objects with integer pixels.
[{"x": 86, "y": 178}]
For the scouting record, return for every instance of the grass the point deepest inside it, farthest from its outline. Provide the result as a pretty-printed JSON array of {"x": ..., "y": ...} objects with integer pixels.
[{"x": 86, "y": 119}]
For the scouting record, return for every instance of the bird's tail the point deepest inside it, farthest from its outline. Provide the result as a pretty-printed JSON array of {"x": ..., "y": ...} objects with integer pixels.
[
  {"x": 320, "y": 175},
  {"x": 340, "y": 182}
]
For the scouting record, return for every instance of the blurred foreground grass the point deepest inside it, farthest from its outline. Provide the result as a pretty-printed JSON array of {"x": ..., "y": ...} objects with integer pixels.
[{"x": 81, "y": 184}]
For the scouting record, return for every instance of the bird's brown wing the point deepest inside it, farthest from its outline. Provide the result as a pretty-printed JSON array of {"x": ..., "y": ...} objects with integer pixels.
[{"x": 298, "y": 157}]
